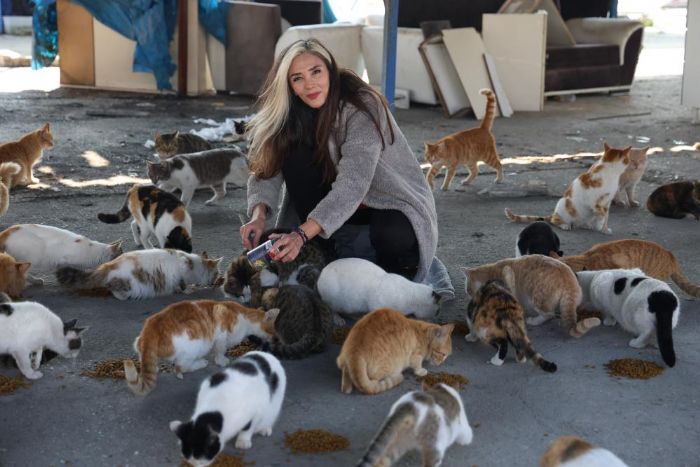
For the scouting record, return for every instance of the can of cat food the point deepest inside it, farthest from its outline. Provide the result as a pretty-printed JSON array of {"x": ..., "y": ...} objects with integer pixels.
[{"x": 259, "y": 256}]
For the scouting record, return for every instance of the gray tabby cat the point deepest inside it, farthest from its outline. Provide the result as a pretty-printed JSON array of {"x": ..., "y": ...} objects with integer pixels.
[
  {"x": 171, "y": 144},
  {"x": 213, "y": 168}
]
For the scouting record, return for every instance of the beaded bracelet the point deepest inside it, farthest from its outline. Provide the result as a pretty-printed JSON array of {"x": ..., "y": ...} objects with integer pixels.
[{"x": 299, "y": 231}]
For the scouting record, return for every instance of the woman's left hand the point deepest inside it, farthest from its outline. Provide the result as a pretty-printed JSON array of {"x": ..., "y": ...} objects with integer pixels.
[{"x": 287, "y": 247}]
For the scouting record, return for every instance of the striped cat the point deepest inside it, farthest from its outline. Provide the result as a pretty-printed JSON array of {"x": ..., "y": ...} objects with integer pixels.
[
  {"x": 170, "y": 144},
  {"x": 676, "y": 200}
]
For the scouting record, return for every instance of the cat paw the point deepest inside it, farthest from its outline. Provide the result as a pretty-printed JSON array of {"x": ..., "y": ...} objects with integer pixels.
[
  {"x": 242, "y": 443},
  {"x": 34, "y": 375},
  {"x": 522, "y": 359},
  {"x": 606, "y": 231},
  {"x": 635, "y": 204},
  {"x": 495, "y": 361},
  {"x": 210, "y": 202},
  {"x": 222, "y": 361},
  {"x": 265, "y": 432},
  {"x": 338, "y": 321},
  {"x": 471, "y": 337},
  {"x": 609, "y": 322},
  {"x": 638, "y": 344},
  {"x": 420, "y": 372},
  {"x": 178, "y": 374}
]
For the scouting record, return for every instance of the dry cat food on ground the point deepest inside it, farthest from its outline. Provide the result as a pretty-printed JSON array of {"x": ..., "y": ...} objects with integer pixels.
[
  {"x": 454, "y": 380},
  {"x": 9, "y": 385},
  {"x": 583, "y": 314},
  {"x": 314, "y": 441},
  {"x": 224, "y": 460},
  {"x": 115, "y": 368},
  {"x": 340, "y": 334},
  {"x": 241, "y": 349},
  {"x": 102, "y": 292},
  {"x": 633, "y": 368},
  {"x": 461, "y": 328}
]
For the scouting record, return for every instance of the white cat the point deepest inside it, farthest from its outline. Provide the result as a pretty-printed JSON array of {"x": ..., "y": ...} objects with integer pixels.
[
  {"x": 145, "y": 273},
  {"x": 240, "y": 401},
  {"x": 48, "y": 248},
  {"x": 354, "y": 285},
  {"x": 572, "y": 451},
  {"x": 28, "y": 328},
  {"x": 642, "y": 305},
  {"x": 429, "y": 421}
]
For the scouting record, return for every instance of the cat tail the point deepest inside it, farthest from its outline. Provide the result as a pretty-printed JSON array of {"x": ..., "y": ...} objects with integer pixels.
[
  {"x": 487, "y": 122},
  {"x": 120, "y": 216},
  {"x": 144, "y": 382},
  {"x": 7, "y": 170},
  {"x": 358, "y": 372},
  {"x": 518, "y": 337},
  {"x": 663, "y": 303},
  {"x": 685, "y": 284},
  {"x": 382, "y": 450},
  {"x": 568, "y": 306},
  {"x": 518, "y": 218},
  {"x": 299, "y": 349},
  {"x": 71, "y": 277}
]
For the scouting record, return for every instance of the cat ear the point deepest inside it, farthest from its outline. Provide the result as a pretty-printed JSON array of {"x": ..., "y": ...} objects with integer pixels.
[
  {"x": 271, "y": 314},
  {"x": 465, "y": 271},
  {"x": 69, "y": 325},
  {"x": 174, "y": 425},
  {"x": 605, "y": 145},
  {"x": 442, "y": 332},
  {"x": 177, "y": 133},
  {"x": 157, "y": 135},
  {"x": 116, "y": 245},
  {"x": 45, "y": 128},
  {"x": 204, "y": 255},
  {"x": 220, "y": 280},
  {"x": 23, "y": 267},
  {"x": 218, "y": 260},
  {"x": 555, "y": 254},
  {"x": 560, "y": 253}
]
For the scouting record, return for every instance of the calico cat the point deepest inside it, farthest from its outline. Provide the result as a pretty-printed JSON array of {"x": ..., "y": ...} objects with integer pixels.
[
  {"x": 13, "y": 275},
  {"x": 47, "y": 247},
  {"x": 653, "y": 259},
  {"x": 187, "y": 172},
  {"x": 643, "y": 306},
  {"x": 429, "y": 421},
  {"x": 302, "y": 326},
  {"x": 383, "y": 343},
  {"x": 537, "y": 238},
  {"x": 185, "y": 332},
  {"x": 354, "y": 285},
  {"x": 466, "y": 147},
  {"x": 542, "y": 284},
  {"x": 171, "y": 144},
  {"x": 145, "y": 274},
  {"x": 240, "y": 401},
  {"x": 630, "y": 177},
  {"x": 29, "y": 328},
  {"x": 26, "y": 152},
  {"x": 571, "y": 451},
  {"x": 586, "y": 202},
  {"x": 495, "y": 317},
  {"x": 156, "y": 212},
  {"x": 676, "y": 200},
  {"x": 7, "y": 171}
]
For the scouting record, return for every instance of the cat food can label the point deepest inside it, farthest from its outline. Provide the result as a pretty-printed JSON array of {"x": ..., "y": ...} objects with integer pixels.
[{"x": 259, "y": 257}]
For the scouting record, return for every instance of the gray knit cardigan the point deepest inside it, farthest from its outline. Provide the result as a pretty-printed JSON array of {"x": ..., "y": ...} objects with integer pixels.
[{"x": 388, "y": 178}]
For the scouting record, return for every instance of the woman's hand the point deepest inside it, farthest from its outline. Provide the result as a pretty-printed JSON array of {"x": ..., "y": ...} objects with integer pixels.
[
  {"x": 250, "y": 232},
  {"x": 287, "y": 247}
]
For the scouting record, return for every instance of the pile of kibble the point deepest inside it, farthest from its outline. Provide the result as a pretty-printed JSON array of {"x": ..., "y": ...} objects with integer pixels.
[
  {"x": 9, "y": 385},
  {"x": 241, "y": 349},
  {"x": 115, "y": 368},
  {"x": 583, "y": 314},
  {"x": 223, "y": 460},
  {"x": 314, "y": 441},
  {"x": 633, "y": 368},
  {"x": 454, "y": 380}
]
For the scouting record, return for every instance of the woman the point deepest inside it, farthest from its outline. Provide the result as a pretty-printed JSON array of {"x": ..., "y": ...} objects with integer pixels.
[{"x": 326, "y": 142}]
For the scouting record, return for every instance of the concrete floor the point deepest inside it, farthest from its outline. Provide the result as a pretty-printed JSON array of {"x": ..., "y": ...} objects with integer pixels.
[{"x": 516, "y": 410}]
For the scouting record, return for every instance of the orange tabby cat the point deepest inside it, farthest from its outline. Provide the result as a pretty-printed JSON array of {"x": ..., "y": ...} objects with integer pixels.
[
  {"x": 7, "y": 171},
  {"x": 655, "y": 260},
  {"x": 466, "y": 147},
  {"x": 26, "y": 151},
  {"x": 13, "y": 275},
  {"x": 384, "y": 343}
]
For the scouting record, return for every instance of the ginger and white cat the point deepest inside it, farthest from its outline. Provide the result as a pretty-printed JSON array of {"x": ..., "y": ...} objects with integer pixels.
[
  {"x": 643, "y": 306},
  {"x": 13, "y": 275},
  {"x": 28, "y": 328},
  {"x": 7, "y": 171},
  {"x": 467, "y": 147},
  {"x": 541, "y": 285},
  {"x": 354, "y": 285},
  {"x": 429, "y": 421},
  {"x": 384, "y": 343},
  {"x": 240, "y": 401},
  {"x": 145, "y": 274},
  {"x": 47, "y": 248},
  {"x": 572, "y": 451},
  {"x": 586, "y": 202},
  {"x": 184, "y": 333},
  {"x": 156, "y": 213},
  {"x": 630, "y": 177},
  {"x": 26, "y": 151}
]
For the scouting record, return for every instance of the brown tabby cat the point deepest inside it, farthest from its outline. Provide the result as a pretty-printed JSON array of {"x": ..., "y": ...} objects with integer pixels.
[
  {"x": 466, "y": 147},
  {"x": 631, "y": 176},
  {"x": 172, "y": 144},
  {"x": 676, "y": 200},
  {"x": 384, "y": 343},
  {"x": 495, "y": 317},
  {"x": 185, "y": 332},
  {"x": 13, "y": 276},
  {"x": 7, "y": 171},
  {"x": 26, "y": 151},
  {"x": 542, "y": 284},
  {"x": 653, "y": 259}
]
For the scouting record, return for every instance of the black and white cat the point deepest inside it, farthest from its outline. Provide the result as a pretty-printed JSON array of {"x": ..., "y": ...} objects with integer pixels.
[
  {"x": 240, "y": 401},
  {"x": 537, "y": 238},
  {"x": 187, "y": 172},
  {"x": 28, "y": 328},
  {"x": 644, "y": 306}
]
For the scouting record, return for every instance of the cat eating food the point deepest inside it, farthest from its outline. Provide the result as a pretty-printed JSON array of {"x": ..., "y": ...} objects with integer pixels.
[
  {"x": 13, "y": 275},
  {"x": 630, "y": 177},
  {"x": 171, "y": 144},
  {"x": 676, "y": 200},
  {"x": 537, "y": 238},
  {"x": 26, "y": 152}
]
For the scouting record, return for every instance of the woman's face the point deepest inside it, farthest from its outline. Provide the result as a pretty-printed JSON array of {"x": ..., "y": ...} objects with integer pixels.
[{"x": 308, "y": 77}]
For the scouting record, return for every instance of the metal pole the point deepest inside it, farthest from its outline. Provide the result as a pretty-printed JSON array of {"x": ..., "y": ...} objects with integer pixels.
[{"x": 391, "y": 24}]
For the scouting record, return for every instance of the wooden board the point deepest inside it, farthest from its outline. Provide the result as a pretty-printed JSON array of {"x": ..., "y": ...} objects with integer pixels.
[
  {"x": 501, "y": 96},
  {"x": 444, "y": 77},
  {"x": 691, "y": 68},
  {"x": 75, "y": 44}
]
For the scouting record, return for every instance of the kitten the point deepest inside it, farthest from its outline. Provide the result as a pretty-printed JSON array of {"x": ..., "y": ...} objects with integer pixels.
[
  {"x": 643, "y": 306},
  {"x": 429, "y": 421},
  {"x": 26, "y": 152},
  {"x": 466, "y": 147},
  {"x": 7, "y": 171},
  {"x": 630, "y": 177},
  {"x": 537, "y": 238},
  {"x": 47, "y": 248},
  {"x": 302, "y": 326},
  {"x": 145, "y": 274},
  {"x": 171, "y": 144},
  {"x": 384, "y": 343},
  {"x": 495, "y": 317},
  {"x": 30, "y": 327},
  {"x": 653, "y": 259},
  {"x": 571, "y": 451},
  {"x": 354, "y": 285},
  {"x": 13, "y": 275},
  {"x": 240, "y": 127},
  {"x": 214, "y": 168},
  {"x": 543, "y": 285},
  {"x": 676, "y": 200},
  {"x": 158, "y": 213},
  {"x": 586, "y": 202},
  {"x": 240, "y": 401},
  {"x": 185, "y": 332}
]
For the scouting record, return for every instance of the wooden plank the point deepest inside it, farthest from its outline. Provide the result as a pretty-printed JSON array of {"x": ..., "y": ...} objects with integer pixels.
[
  {"x": 501, "y": 96},
  {"x": 75, "y": 44},
  {"x": 444, "y": 77},
  {"x": 691, "y": 68}
]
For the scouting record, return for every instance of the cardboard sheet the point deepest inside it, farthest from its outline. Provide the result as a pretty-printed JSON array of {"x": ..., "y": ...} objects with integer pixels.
[{"x": 443, "y": 74}]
